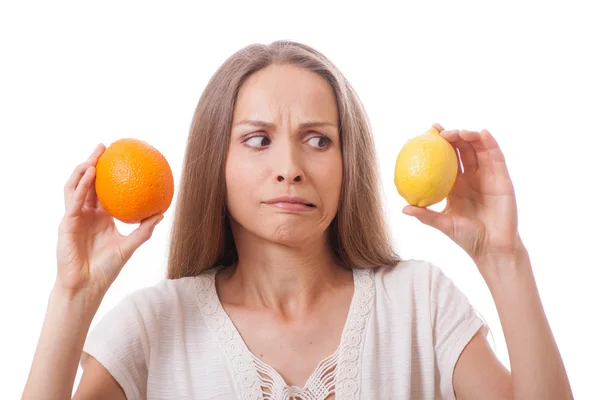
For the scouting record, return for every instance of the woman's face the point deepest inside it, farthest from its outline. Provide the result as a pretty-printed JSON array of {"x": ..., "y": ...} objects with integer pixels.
[{"x": 286, "y": 157}]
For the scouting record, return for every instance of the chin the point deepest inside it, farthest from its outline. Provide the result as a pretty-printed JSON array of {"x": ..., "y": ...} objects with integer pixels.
[{"x": 289, "y": 234}]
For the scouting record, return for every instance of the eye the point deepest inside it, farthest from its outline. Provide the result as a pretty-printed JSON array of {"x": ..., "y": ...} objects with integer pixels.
[
  {"x": 325, "y": 140},
  {"x": 258, "y": 142}
]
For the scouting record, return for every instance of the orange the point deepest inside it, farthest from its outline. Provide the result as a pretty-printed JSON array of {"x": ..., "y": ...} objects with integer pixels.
[{"x": 133, "y": 181}]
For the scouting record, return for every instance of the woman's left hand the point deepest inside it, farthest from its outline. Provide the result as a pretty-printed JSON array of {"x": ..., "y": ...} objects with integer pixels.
[{"x": 481, "y": 210}]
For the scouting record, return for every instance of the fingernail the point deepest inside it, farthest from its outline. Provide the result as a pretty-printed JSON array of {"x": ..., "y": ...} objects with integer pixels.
[{"x": 158, "y": 220}]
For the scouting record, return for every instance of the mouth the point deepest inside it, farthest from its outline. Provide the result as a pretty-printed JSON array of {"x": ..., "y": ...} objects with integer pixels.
[
  {"x": 284, "y": 205},
  {"x": 291, "y": 200}
]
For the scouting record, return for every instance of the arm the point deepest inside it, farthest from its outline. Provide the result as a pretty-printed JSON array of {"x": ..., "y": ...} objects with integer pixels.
[
  {"x": 98, "y": 383},
  {"x": 479, "y": 374},
  {"x": 536, "y": 364},
  {"x": 537, "y": 368},
  {"x": 481, "y": 217},
  {"x": 90, "y": 254},
  {"x": 68, "y": 319}
]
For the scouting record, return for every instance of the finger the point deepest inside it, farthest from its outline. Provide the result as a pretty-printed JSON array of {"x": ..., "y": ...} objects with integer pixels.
[
  {"x": 77, "y": 174},
  {"x": 91, "y": 198},
  {"x": 486, "y": 149},
  {"x": 491, "y": 144},
  {"x": 437, "y": 220},
  {"x": 80, "y": 193},
  {"x": 74, "y": 179},
  {"x": 459, "y": 162},
  {"x": 93, "y": 158},
  {"x": 468, "y": 156},
  {"x": 140, "y": 235},
  {"x": 438, "y": 127}
]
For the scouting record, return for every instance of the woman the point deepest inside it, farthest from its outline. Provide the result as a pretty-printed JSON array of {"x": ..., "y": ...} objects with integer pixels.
[{"x": 282, "y": 279}]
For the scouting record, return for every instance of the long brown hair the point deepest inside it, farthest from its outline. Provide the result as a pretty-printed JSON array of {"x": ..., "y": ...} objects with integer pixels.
[{"x": 201, "y": 235}]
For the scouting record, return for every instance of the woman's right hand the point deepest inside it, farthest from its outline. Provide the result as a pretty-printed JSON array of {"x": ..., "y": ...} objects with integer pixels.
[{"x": 90, "y": 250}]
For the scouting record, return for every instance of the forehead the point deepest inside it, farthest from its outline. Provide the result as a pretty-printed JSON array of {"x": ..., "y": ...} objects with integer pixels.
[{"x": 281, "y": 89}]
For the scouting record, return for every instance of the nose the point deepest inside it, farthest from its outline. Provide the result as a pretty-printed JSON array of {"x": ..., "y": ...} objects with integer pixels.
[
  {"x": 288, "y": 167},
  {"x": 290, "y": 171},
  {"x": 281, "y": 178}
]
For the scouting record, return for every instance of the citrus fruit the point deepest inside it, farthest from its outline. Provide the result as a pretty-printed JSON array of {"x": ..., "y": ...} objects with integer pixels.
[
  {"x": 426, "y": 169},
  {"x": 133, "y": 181}
]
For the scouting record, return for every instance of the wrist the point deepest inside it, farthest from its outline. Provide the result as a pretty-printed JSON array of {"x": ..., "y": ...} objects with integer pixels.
[
  {"x": 506, "y": 269},
  {"x": 84, "y": 302}
]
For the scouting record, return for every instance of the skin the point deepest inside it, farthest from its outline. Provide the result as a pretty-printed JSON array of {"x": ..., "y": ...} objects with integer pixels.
[
  {"x": 481, "y": 217},
  {"x": 287, "y": 280},
  {"x": 90, "y": 254}
]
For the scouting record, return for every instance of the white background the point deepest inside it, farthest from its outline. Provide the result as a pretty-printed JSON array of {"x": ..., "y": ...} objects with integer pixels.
[{"x": 76, "y": 74}]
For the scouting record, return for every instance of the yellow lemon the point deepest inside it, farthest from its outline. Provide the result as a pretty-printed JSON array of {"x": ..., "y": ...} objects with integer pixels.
[{"x": 426, "y": 169}]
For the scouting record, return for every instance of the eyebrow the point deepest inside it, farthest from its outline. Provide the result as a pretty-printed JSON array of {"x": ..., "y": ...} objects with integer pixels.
[{"x": 271, "y": 125}]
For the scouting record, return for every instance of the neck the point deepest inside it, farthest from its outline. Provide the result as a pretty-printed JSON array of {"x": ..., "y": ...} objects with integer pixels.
[{"x": 288, "y": 280}]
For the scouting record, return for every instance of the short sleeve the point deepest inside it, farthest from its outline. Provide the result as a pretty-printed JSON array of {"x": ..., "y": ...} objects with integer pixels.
[
  {"x": 119, "y": 341},
  {"x": 454, "y": 322}
]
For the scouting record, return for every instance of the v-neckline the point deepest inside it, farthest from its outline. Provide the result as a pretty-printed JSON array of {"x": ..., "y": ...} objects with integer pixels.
[{"x": 337, "y": 373}]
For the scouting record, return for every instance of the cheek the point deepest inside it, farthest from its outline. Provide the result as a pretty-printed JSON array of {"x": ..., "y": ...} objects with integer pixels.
[
  {"x": 241, "y": 185},
  {"x": 234, "y": 181},
  {"x": 329, "y": 177}
]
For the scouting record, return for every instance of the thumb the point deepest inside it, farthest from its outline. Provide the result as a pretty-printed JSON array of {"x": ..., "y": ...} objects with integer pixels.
[
  {"x": 140, "y": 235},
  {"x": 441, "y": 222}
]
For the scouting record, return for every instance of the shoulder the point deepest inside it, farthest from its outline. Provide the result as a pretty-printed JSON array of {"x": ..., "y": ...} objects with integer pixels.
[
  {"x": 146, "y": 327},
  {"x": 414, "y": 283},
  {"x": 166, "y": 299},
  {"x": 413, "y": 272},
  {"x": 144, "y": 315}
]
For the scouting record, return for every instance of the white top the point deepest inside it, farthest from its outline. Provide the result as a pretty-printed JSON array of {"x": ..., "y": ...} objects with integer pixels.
[{"x": 405, "y": 330}]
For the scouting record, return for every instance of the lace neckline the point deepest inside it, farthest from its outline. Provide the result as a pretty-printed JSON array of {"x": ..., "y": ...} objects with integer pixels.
[{"x": 338, "y": 373}]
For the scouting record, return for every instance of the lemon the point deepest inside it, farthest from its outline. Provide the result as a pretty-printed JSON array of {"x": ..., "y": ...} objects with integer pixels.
[{"x": 426, "y": 169}]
